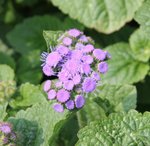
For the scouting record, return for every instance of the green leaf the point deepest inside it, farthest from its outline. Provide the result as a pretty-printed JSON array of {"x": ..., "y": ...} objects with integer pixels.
[
  {"x": 3, "y": 112},
  {"x": 6, "y": 73},
  {"x": 29, "y": 95},
  {"x": 38, "y": 125},
  {"x": 27, "y": 36},
  {"x": 51, "y": 37},
  {"x": 140, "y": 45},
  {"x": 119, "y": 97},
  {"x": 103, "y": 15},
  {"x": 123, "y": 67},
  {"x": 6, "y": 59},
  {"x": 119, "y": 129},
  {"x": 105, "y": 100},
  {"x": 143, "y": 14},
  {"x": 29, "y": 68}
]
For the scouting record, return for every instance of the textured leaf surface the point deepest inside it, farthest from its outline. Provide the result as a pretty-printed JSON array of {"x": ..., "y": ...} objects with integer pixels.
[
  {"x": 119, "y": 129},
  {"x": 38, "y": 124},
  {"x": 3, "y": 112},
  {"x": 6, "y": 73},
  {"x": 29, "y": 95},
  {"x": 27, "y": 36},
  {"x": 107, "y": 99},
  {"x": 29, "y": 68},
  {"x": 123, "y": 67},
  {"x": 51, "y": 37},
  {"x": 140, "y": 45},
  {"x": 143, "y": 14},
  {"x": 103, "y": 15}
]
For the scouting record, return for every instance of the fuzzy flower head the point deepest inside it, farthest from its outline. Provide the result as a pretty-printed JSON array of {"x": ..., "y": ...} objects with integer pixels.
[
  {"x": 77, "y": 66},
  {"x": 7, "y": 136}
]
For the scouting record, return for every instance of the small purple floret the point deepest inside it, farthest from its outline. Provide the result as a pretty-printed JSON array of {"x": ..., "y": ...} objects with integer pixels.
[
  {"x": 95, "y": 76},
  {"x": 67, "y": 41},
  {"x": 51, "y": 94},
  {"x": 74, "y": 32},
  {"x": 63, "y": 95},
  {"x": 70, "y": 104},
  {"x": 58, "y": 107},
  {"x": 5, "y": 128},
  {"x": 88, "y": 48},
  {"x": 79, "y": 101},
  {"x": 47, "y": 85},
  {"x": 99, "y": 54},
  {"x": 68, "y": 85},
  {"x": 47, "y": 70},
  {"x": 63, "y": 50},
  {"x": 89, "y": 85},
  {"x": 103, "y": 67}
]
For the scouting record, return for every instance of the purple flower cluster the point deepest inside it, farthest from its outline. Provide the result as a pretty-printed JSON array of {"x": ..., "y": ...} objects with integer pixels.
[
  {"x": 77, "y": 65},
  {"x": 7, "y": 136}
]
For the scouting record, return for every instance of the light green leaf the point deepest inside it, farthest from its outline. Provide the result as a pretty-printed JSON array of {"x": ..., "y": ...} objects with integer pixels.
[
  {"x": 103, "y": 15},
  {"x": 119, "y": 129},
  {"x": 27, "y": 36},
  {"x": 51, "y": 38},
  {"x": 140, "y": 45},
  {"x": 6, "y": 73},
  {"x": 123, "y": 67},
  {"x": 105, "y": 100},
  {"x": 118, "y": 97},
  {"x": 29, "y": 95},
  {"x": 38, "y": 125},
  {"x": 143, "y": 14},
  {"x": 3, "y": 112}
]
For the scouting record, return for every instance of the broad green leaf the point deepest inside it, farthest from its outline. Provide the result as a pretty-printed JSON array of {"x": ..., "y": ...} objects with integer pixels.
[
  {"x": 119, "y": 129},
  {"x": 123, "y": 67},
  {"x": 7, "y": 83},
  {"x": 29, "y": 95},
  {"x": 6, "y": 59},
  {"x": 29, "y": 68},
  {"x": 140, "y": 45},
  {"x": 6, "y": 73},
  {"x": 105, "y": 100},
  {"x": 103, "y": 15},
  {"x": 27, "y": 36},
  {"x": 143, "y": 14},
  {"x": 3, "y": 112},
  {"x": 38, "y": 125},
  {"x": 119, "y": 97},
  {"x": 51, "y": 38}
]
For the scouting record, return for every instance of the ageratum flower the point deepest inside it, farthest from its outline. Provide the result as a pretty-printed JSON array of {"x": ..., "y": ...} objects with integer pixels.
[
  {"x": 7, "y": 136},
  {"x": 77, "y": 65}
]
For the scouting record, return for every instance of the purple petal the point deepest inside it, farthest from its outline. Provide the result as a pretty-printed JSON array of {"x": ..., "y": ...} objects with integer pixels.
[
  {"x": 79, "y": 46},
  {"x": 5, "y": 128},
  {"x": 47, "y": 85},
  {"x": 99, "y": 54},
  {"x": 95, "y": 76},
  {"x": 51, "y": 94},
  {"x": 62, "y": 50},
  {"x": 74, "y": 32},
  {"x": 63, "y": 95},
  {"x": 103, "y": 67},
  {"x": 47, "y": 70},
  {"x": 88, "y": 48},
  {"x": 76, "y": 79},
  {"x": 86, "y": 69},
  {"x": 58, "y": 84},
  {"x": 68, "y": 85},
  {"x": 79, "y": 101},
  {"x": 84, "y": 39},
  {"x": 53, "y": 59},
  {"x": 70, "y": 104},
  {"x": 67, "y": 41},
  {"x": 87, "y": 59},
  {"x": 58, "y": 107},
  {"x": 89, "y": 85}
]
